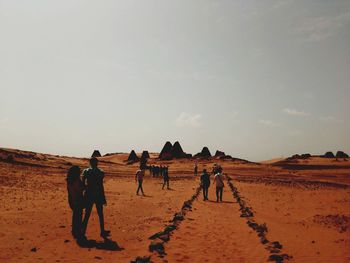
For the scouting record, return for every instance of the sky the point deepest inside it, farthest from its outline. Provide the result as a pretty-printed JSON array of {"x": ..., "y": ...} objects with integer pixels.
[{"x": 256, "y": 79}]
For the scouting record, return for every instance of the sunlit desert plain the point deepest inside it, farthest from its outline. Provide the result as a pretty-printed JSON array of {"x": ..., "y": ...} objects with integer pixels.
[{"x": 284, "y": 210}]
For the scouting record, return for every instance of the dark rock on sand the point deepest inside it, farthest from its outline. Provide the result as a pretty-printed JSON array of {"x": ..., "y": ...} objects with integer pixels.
[
  {"x": 142, "y": 260},
  {"x": 276, "y": 244},
  {"x": 164, "y": 237},
  {"x": 156, "y": 246}
]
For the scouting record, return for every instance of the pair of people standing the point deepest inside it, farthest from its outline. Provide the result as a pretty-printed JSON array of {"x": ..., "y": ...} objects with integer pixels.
[
  {"x": 84, "y": 193},
  {"x": 218, "y": 180}
]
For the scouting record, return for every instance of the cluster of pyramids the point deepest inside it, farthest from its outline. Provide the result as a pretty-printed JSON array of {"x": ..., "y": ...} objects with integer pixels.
[
  {"x": 339, "y": 154},
  {"x": 134, "y": 158},
  {"x": 175, "y": 151},
  {"x": 170, "y": 152}
]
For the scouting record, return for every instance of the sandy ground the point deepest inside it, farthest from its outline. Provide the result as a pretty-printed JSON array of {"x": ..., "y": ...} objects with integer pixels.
[
  {"x": 214, "y": 232},
  {"x": 304, "y": 205}
]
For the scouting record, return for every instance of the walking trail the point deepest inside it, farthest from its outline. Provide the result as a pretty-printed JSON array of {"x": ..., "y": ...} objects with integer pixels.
[{"x": 214, "y": 232}]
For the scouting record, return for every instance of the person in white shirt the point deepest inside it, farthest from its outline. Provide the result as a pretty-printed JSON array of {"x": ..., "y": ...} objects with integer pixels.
[
  {"x": 219, "y": 181},
  {"x": 139, "y": 178}
]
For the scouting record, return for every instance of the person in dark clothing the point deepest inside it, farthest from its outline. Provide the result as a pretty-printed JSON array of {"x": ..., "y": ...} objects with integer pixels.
[
  {"x": 75, "y": 190},
  {"x": 153, "y": 170},
  {"x": 195, "y": 170},
  {"x": 150, "y": 170},
  {"x": 166, "y": 177},
  {"x": 157, "y": 171},
  {"x": 93, "y": 181},
  {"x": 205, "y": 183},
  {"x": 139, "y": 178}
]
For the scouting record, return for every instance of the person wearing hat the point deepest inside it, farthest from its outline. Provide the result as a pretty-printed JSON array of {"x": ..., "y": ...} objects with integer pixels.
[{"x": 205, "y": 183}]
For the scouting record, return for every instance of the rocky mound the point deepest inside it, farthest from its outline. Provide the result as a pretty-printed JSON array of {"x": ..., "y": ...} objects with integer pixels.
[
  {"x": 341, "y": 154},
  {"x": 133, "y": 157},
  {"x": 96, "y": 153}
]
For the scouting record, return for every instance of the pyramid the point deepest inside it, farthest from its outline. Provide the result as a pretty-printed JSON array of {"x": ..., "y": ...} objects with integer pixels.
[
  {"x": 133, "y": 156},
  {"x": 145, "y": 155},
  {"x": 177, "y": 151},
  {"x": 96, "y": 153},
  {"x": 205, "y": 153},
  {"x": 341, "y": 154},
  {"x": 219, "y": 154},
  {"x": 329, "y": 155},
  {"x": 166, "y": 152}
]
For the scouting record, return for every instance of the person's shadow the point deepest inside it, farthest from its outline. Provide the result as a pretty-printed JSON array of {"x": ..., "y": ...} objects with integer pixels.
[{"x": 106, "y": 244}]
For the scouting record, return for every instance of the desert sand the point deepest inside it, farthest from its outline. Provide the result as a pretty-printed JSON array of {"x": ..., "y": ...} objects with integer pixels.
[{"x": 279, "y": 210}]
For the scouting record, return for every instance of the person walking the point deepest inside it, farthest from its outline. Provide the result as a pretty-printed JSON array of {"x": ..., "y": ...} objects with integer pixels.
[
  {"x": 166, "y": 177},
  {"x": 195, "y": 170},
  {"x": 75, "y": 188},
  {"x": 205, "y": 183},
  {"x": 93, "y": 181},
  {"x": 219, "y": 181},
  {"x": 139, "y": 178}
]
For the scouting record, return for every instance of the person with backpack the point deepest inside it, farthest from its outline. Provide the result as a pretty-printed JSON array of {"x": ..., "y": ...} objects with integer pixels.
[
  {"x": 219, "y": 182},
  {"x": 94, "y": 195},
  {"x": 75, "y": 188},
  {"x": 205, "y": 183}
]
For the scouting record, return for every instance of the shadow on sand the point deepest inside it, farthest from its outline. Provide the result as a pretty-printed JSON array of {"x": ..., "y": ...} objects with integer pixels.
[
  {"x": 225, "y": 202},
  {"x": 106, "y": 244},
  {"x": 146, "y": 195}
]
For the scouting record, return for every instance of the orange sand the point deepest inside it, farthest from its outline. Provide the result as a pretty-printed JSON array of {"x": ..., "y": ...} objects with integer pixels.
[{"x": 305, "y": 205}]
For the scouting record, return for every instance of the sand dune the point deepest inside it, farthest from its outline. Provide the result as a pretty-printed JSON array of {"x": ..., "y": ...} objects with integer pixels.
[{"x": 303, "y": 204}]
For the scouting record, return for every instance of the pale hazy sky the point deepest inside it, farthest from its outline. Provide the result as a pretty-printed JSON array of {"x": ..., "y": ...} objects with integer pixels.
[{"x": 256, "y": 79}]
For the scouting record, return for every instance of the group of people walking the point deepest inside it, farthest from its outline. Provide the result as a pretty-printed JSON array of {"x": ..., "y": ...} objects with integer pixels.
[
  {"x": 218, "y": 181},
  {"x": 157, "y": 171},
  {"x": 85, "y": 189},
  {"x": 162, "y": 170}
]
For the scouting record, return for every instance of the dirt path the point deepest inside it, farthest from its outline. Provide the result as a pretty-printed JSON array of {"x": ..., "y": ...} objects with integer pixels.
[{"x": 214, "y": 232}]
